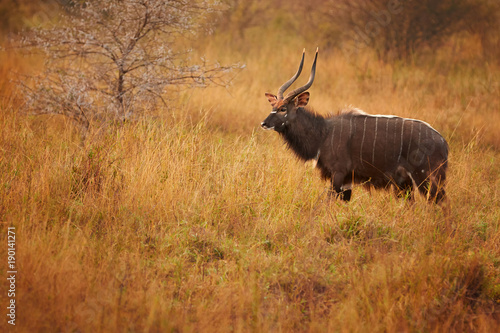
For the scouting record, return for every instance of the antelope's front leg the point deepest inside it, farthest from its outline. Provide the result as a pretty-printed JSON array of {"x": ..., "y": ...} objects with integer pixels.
[{"x": 337, "y": 188}]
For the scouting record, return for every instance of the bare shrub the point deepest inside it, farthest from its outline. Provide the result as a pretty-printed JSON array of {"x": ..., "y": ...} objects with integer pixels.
[
  {"x": 109, "y": 61},
  {"x": 396, "y": 29}
]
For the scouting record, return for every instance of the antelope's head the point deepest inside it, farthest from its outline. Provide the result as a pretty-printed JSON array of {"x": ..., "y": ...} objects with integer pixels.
[{"x": 284, "y": 109}]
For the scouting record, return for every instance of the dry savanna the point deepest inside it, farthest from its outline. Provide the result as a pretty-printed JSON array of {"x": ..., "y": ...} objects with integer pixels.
[{"x": 190, "y": 218}]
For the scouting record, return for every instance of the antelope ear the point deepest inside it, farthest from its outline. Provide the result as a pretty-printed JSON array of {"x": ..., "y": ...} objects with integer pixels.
[
  {"x": 302, "y": 100},
  {"x": 272, "y": 99}
]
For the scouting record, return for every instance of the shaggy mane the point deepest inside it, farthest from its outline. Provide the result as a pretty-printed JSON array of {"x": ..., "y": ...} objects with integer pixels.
[
  {"x": 349, "y": 110},
  {"x": 352, "y": 111}
]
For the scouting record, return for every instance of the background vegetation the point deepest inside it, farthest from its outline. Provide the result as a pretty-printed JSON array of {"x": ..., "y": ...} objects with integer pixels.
[{"x": 193, "y": 219}]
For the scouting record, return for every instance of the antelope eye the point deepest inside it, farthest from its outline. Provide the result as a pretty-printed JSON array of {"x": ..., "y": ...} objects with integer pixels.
[{"x": 283, "y": 110}]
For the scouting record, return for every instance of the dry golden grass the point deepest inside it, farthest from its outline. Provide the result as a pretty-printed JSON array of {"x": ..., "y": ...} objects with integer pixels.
[{"x": 199, "y": 221}]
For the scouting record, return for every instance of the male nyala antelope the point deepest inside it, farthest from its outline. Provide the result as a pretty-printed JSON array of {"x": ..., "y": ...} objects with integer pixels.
[{"x": 354, "y": 147}]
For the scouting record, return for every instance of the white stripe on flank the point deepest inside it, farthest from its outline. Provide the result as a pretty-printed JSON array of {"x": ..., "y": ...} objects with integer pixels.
[
  {"x": 374, "y": 141},
  {"x": 340, "y": 135},
  {"x": 401, "y": 147},
  {"x": 394, "y": 137},
  {"x": 419, "y": 134},
  {"x": 411, "y": 136},
  {"x": 385, "y": 142},
  {"x": 362, "y": 141},
  {"x": 333, "y": 134},
  {"x": 391, "y": 116}
]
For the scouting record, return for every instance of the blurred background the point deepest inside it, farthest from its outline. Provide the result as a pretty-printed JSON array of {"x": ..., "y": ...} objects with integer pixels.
[{"x": 444, "y": 54}]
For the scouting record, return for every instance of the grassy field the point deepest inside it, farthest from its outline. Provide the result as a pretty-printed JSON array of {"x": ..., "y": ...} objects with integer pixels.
[{"x": 198, "y": 221}]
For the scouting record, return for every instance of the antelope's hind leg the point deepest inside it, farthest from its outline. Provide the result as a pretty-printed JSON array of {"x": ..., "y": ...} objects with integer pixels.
[
  {"x": 434, "y": 191},
  {"x": 403, "y": 184},
  {"x": 432, "y": 187},
  {"x": 404, "y": 190}
]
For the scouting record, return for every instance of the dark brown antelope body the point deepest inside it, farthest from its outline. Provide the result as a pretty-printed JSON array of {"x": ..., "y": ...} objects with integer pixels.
[{"x": 354, "y": 147}]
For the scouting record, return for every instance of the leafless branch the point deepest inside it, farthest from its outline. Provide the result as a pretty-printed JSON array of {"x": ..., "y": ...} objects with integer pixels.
[{"x": 115, "y": 59}]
